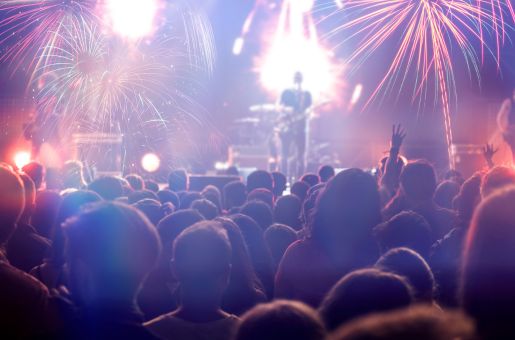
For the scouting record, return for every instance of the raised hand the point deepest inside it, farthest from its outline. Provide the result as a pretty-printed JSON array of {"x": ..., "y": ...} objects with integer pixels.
[
  {"x": 488, "y": 152},
  {"x": 398, "y": 135}
]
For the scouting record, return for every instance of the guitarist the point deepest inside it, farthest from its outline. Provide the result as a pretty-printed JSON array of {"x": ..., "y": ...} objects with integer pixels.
[{"x": 293, "y": 131}]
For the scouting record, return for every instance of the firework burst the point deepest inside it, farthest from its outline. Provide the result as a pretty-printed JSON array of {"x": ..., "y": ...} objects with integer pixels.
[{"x": 425, "y": 33}]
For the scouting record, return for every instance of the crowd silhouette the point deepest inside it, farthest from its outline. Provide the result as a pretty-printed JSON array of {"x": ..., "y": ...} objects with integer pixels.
[{"x": 401, "y": 253}]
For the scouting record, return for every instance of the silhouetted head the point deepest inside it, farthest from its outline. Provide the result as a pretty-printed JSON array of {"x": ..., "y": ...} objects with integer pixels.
[
  {"x": 406, "y": 229},
  {"x": 488, "y": 273},
  {"x": 410, "y": 265},
  {"x": 36, "y": 172},
  {"x": 288, "y": 211},
  {"x": 300, "y": 189},
  {"x": 445, "y": 194},
  {"x": 45, "y": 212},
  {"x": 73, "y": 175},
  {"x": 260, "y": 179},
  {"x": 262, "y": 195},
  {"x": 109, "y": 188},
  {"x": 298, "y": 78},
  {"x": 178, "y": 180},
  {"x": 139, "y": 195},
  {"x": 422, "y": 322},
  {"x": 279, "y": 237},
  {"x": 418, "y": 181},
  {"x": 235, "y": 194},
  {"x": 206, "y": 208},
  {"x": 364, "y": 292},
  {"x": 214, "y": 195},
  {"x": 497, "y": 178},
  {"x": 12, "y": 202},
  {"x": 259, "y": 212},
  {"x": 188, "y": 198},
  {"x": 326, "y": 172},
  {"x": 152, "y": 208},
  {"x": 201, "y": 261},
  {"x": 310, "y": 179},
  {"x": 280, "y": 320},
  {"x": 279, "y": 183},
  {"x": 135, "y": 181},
  {"x": 167, "y": 196},
  {"x": 152, "y": 185},
  {"x": 101, "y": 243},
  {"x": 468, "y": 198}
]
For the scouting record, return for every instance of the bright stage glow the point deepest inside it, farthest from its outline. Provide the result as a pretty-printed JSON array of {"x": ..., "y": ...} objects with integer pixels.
[
  {"x": 150, "y": 162},
  {"x": 238, "y": 46},
  {"x": 21, "y": 158},
  {"x": 132, "y": 19}
]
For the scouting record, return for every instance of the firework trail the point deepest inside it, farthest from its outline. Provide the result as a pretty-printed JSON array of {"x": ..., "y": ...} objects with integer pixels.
[{"x": 426, "y": 32}]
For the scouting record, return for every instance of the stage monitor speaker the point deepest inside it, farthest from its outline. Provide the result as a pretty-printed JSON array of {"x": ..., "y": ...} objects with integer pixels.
[{"x": 198, "y": 183}]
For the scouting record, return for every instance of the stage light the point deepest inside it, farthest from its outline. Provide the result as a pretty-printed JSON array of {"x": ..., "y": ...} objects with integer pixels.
[
  {"x": 238, "y": 46},
  {"x": 21, "y": 158},
  {"x": 150, "y": 162},
  {"x": 132, "y": 19}
]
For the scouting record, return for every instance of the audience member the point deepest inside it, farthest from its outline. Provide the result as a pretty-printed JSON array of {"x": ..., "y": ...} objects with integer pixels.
[
  {"x": 406, "y": 229},
  {"x": 188, "y": 198},
  {"x": 206, "y": 208},
  {"x": 310, "y": 179},
  {"x": 260, "y": 179},
  {"x": 203, "y": 277},
  {"x": 364, "y": 292},
  {"x": 258, "y": 251},
  {"x": 214, "y": 195},
  {"x": 340, "y": 239},
  {"x": 445, "y": 194},
  {"x": 488, "y": 269},
  {"x": 139, "y": 195},
  {"x": 235, "y": 195},
  {"x": 109, "y": 188},
  {"x": 280, "y": 320},
  {"x": 262, "y": 195},
  {"x": 151, "y": 185},
  {"x": 167, "y": 196},
  {"x": 153, "y": 209},
  {"x": 325, "y": 173},
  {"x": 279, "y": 237},
  {"x": 300, "y": 189},
  {"x": 410, "y": 265},
  {"x": 73, "y": 175},
  {"x": 105, "y": 276},
  {"x": 45, "y": 212},
  {"x": 259, "y": 212},
  {"x": 280, "y": 183},
  {"x": 178, "y": 180},
  {"x": 497, "y": 178},
  {"x": 421, "y": 323},
  {"x": 36, "y": 172},
  {"x": 136, "y": 182},
  {"x": 288, "y": 211}
]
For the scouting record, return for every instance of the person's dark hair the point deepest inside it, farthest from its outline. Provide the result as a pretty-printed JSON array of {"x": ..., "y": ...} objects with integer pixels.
[
  {"x": 167, "y": 196},
  {"x": 178, "y": 180},
  {"x": 152, "y": 185},
  {"x": 346, "y": 212},
  {"x": 418, "y": 181},
  {"x": 235, "y": 194},
  {"x": 497, "y": 178},
  {"x": 245, "y": 290},
  {"x": 36, "y": 172},
  {"x": 140, "y": 195},
  {"x": 70, "y": 206},
  {"x": 326, "y": 172},
  {"x": 259, "y": 212},
  {"x": 406, "y": 229},
  {"x": 258, "y": 250},
  {"x": 364, "y": 292},
  {"x": 45, "y": 212},
  {"x": 135, "y": 181},
  {"x": 468, "y": 198},
  {"x": 309, "y": 203},
  {"x": 263, "y": 195},
  {"x": 445, "y": 194},
  {"x": 109, "y": 188},
  {"x": 214, "y": 195},
  {"x": 30, "y": 196},
  {"x": 288, "y": 211},
  {"x": 102, "y": 241},
  {"x": 188, "y": 198},
  {"x": 410, "y": 265},
  {"x": 12, "y": 202},
  {"x": 280, "y": 182},
  {"x": 489, "y": 265},
  {"x": 310, "y": 179},
  {"x": 279, "y": 237},
  {"x": 152, "y": 208},
  {"x": 198, "y": 270},
  {"x": 206, "y": 208},
  {"x": 171, "y": 226},
  {"x": 280, "y": 320},
  {"x": 260, "y": 179},
  {"x": 422, "y": 322},
  {"x": 300, "y": 189}
]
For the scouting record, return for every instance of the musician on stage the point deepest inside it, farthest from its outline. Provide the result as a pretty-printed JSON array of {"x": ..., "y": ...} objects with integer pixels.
[{"x": 293, "y": 126}]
